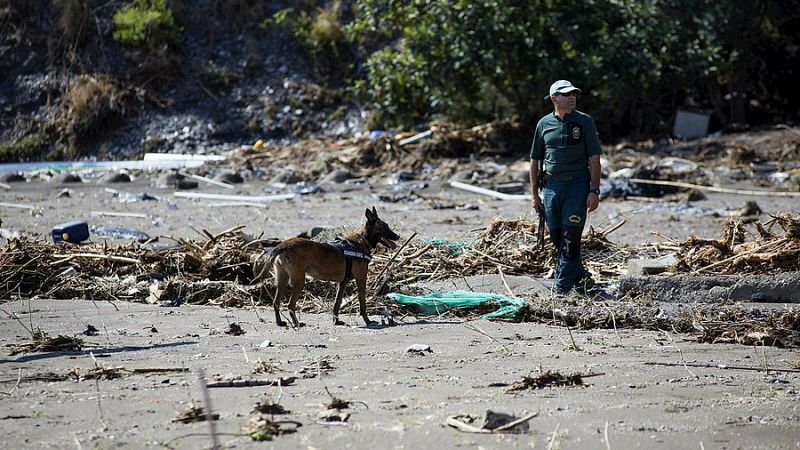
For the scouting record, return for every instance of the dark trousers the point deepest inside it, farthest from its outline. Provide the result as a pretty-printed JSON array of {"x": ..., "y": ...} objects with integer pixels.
[{"x": 565, "y": 213}]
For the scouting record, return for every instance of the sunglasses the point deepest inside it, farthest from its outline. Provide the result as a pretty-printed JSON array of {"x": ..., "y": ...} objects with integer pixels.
[{"x": 569, "y": 94}]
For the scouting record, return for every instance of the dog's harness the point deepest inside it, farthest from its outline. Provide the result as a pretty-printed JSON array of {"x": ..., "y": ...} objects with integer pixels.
[{"x": 351, "y": 252}]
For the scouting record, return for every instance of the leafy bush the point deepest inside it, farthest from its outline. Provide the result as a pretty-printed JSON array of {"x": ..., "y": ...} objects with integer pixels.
[
  {"x": 146, "y": 23},
  {"x": 27, "y": 148},
  {"x": 321, "y": 33},
  {"x": 636, "y": 61}
]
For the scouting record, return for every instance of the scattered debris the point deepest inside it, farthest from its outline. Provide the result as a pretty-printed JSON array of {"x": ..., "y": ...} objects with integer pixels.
[
  {"x": 44, "y": 343},
  {"x": 269, "y": 408},
  {"x": 550, "y": 379},
  {"x": 194, "y": 414},
  {"x": 494, "y": 423},
  {"x": 234, "y": 329},
  {"x": 419, "y": 349},
  {"x": 282, "y": 381},
  {"x": 262, "y": 428}
]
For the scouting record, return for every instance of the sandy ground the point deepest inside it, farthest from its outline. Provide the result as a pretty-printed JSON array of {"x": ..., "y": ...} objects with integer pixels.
[{"x": 406, "y": 397}]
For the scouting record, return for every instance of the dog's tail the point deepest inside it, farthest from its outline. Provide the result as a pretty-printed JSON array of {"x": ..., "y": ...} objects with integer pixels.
[{"x": 270, "y": 262}]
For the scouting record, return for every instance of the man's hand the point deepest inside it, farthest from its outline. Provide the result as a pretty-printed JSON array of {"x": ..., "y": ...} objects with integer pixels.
[
  {"x": 537, "y": 204},
  {"x": 592, "y": 201}
]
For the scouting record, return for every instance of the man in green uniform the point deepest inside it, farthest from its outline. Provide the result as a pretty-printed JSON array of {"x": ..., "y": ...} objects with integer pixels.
[{"x": 567, "y": 142}]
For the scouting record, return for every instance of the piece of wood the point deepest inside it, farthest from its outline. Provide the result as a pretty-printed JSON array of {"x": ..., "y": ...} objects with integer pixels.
[
  {"x": 415, "y": 138},
  {"x": 489, "y": 192},
  {"x": 283, "y": 381},
  {"x": 112, "y": 258},
  {"x": 181, "y": 157},
  {"x": 613, "y": 228},
  {"x": 16, "y": 205},
  {"x": 514, "y": 423},
  {"x": 721, "y": 366},
  {"x": 117, "y": 214},
  {"x": 505, "y": 283},
  {"x": 93, "y": 166},
  {"x": 239, "y": 204},
  {"x": 465, "y": 427},
  {"x": 716, "y": 189},
  {"x": 206, "y": 180},
  {"x": 241, "y": 198}
]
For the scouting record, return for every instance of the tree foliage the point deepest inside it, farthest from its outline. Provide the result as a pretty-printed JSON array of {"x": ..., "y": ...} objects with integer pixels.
[
  {"x": 636, "y": 61},
  {"x": 146, "y": 23}
]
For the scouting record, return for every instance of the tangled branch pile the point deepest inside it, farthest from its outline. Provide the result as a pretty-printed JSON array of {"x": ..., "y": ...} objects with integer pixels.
[{"x": 767, "y": 254}]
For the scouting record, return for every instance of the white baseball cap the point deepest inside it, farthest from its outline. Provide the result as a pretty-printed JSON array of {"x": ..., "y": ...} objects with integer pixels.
[{"x": 561, "y": 87}]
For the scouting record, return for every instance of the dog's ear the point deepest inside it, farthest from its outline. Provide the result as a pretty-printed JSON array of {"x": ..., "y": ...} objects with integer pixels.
[
  {"x": 374, "y": 211},
  {"x": 371, "y": 216}
]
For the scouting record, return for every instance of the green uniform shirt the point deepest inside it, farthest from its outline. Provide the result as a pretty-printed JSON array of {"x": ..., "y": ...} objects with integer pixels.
[{"x": 565, "y": 145}]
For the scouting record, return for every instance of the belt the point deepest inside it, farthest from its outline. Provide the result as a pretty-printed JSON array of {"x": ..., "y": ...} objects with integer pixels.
[{"x": 564, "y": 177}]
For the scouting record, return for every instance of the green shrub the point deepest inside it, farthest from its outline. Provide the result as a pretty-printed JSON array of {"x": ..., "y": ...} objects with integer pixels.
[
  {"x": 322, "y": 33},
  {"x": 219, "y": 76},
  {"x": 27, "y": 148},
  {"x": 146, "y": 23}
]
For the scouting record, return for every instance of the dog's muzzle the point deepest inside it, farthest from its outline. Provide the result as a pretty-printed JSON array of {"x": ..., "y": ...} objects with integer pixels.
[{"x": 388, "y": 243}]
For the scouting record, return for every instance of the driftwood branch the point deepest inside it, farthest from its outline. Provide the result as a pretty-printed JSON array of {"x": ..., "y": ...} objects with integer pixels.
[{"x": 715, "y": 189}]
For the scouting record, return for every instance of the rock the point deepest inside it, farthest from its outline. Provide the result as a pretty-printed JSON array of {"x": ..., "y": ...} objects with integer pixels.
[
  {"x": 419, "y": 349},
  {"x": 12, "y": 177},
  {"x": 337, "y": 176},
  {"x": 286, "y": 177},
  {"x": 234, "y": 330},
  {"x": 186, "y": 184},
  {"x": 117, "y": 177},
  {"x": 68, "y": 178},
  {"x": 229, "y": 176},
  {"x": 170, "y": 178}
]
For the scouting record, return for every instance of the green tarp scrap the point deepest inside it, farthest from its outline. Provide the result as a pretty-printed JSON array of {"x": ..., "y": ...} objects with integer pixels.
[
  {"x": 454, "y": 248},
  {"x": 440, "y": 302}
]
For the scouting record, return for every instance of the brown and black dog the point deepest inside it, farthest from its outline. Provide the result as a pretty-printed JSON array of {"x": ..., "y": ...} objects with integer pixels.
[{"x": 297, "y": 257}]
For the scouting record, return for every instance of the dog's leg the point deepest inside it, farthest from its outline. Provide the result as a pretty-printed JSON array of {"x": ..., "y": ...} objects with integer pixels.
[
  {"x": 338, "y": 303},
  {"x": 281, "y": 280},
  {"x": 297, "y": 289},
  {"x": 361, "y": 284}
]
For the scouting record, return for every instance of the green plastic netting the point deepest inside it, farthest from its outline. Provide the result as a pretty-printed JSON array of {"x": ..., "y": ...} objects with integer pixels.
[{"x": 439, "y": 303}]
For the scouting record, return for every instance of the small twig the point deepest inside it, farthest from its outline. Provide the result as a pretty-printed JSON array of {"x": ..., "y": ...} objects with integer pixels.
[
  {"x": 574, "y": 344},
  {"x": 514, "y": 423},
  {"x": 112, "y": 258},
  {"x": 720, "y": 366},
  {"x": 680, "y": 352},
  {"x": 201, "y": 378},
  {"x": 553, "y": 438},
  {"x": 505, "y": 283},
  {"x": 97, "y": 390},
  {"x": 389, "y": 264},
  {"x": 613, "y": 228},
  {"x": 19, "y": 377}
]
